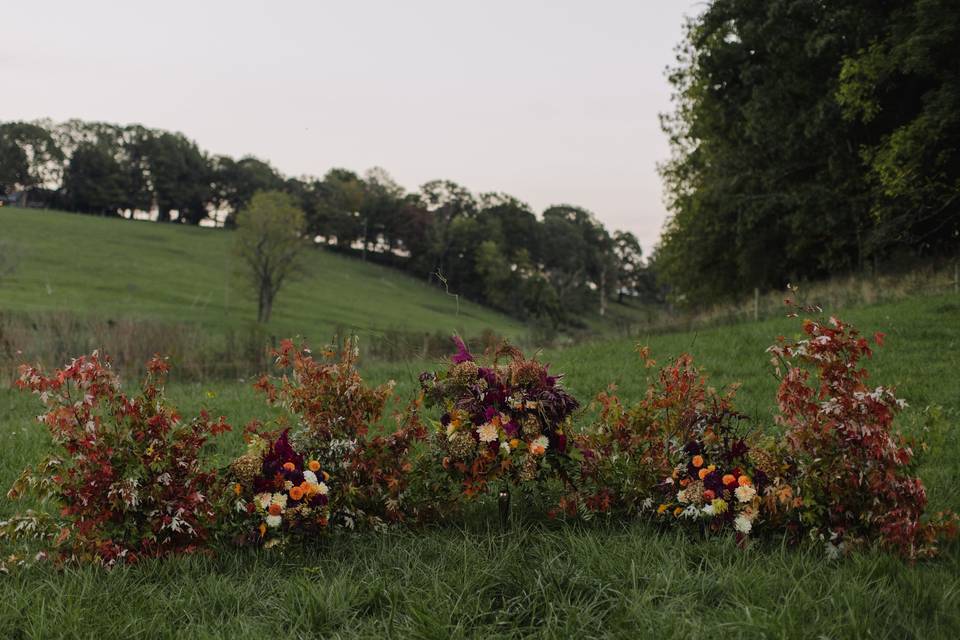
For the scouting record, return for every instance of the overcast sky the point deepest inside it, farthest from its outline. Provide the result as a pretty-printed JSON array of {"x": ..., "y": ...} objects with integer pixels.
[{"x": 550, "y": 101}]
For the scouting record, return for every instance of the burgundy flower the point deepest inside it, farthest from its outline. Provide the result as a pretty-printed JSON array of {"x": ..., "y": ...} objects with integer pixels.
[{"x": 463, "y": 354}]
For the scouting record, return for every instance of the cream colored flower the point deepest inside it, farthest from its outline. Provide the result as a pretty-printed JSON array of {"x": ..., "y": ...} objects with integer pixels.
[
  {"x": 745, "y": 493},
  {"x": 263, "y": 500},
  {"x": 310, "y": 476},
  {"x": 274, "y": 521},
  {"x": 742, "y": 524},
  {"x": 487, "y": 432},
  {"x": 322, "y": 488}
]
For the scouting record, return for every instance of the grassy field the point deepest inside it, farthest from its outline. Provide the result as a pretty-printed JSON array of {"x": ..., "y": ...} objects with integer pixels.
[
  {"x": 589, "y": 580},
  {"x": 116, "y": 268}
]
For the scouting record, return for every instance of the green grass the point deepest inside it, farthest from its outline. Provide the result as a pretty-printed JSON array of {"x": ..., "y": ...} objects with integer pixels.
[
  {"x": 111, "y": 267},
  {"x": 587, "y": 580}
]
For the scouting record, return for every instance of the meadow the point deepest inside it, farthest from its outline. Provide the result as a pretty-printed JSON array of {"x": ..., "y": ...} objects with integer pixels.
[{"x": 543, "y": 578}]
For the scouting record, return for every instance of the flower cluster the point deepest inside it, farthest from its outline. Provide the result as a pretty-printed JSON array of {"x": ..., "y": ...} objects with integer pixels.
[
  {"x": 508, "y": 420},
  {"x": 339, "y": 433},
  {"x": 279, "y": 491},
  {"x": 718, "y": 477},
  {"x": 126, "y": 475}
]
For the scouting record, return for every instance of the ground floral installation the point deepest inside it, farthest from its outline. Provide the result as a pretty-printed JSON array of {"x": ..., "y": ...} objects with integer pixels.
[
  {"x": 508, "y": 421},
  {"x": 126, "y": 481}
]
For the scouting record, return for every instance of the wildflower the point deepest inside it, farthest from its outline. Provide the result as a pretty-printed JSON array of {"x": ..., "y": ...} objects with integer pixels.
[
  {"x": 662, "y": 509},
  {"x": 514, "y": 443},
  {"x": 263, "y": 529},
  {"x": 539, "y": 446},
  {"x": 743, "y": 480},
  {"x": 698, "y": 462},
  {"x": 263, "y": 499},
  {"x": 707, "y": 510},
  {"x": 487, "y": 432},
  {"x": 289, "y": 466},
  {"x": 719, "y": 506},
  {"x": 691, "y": 512},
  {"x": 709, "y": 495},
  {"x": 326, "y": 476},
  {"x": 296, "y": 493},
  {"x": 280, "y": 499},
  {"x": 313, "y": 466},
  {"x": 745, "y": 493},
  {"x": 322, "y": 489},
  {"x": 742, "y": 524}
]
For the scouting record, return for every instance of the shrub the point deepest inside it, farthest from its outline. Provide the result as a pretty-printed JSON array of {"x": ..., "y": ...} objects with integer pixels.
[
  {"x": 361, "y": 477},
  {"x": 854, "y": 475},
  {"x": 126, "y": 479}
]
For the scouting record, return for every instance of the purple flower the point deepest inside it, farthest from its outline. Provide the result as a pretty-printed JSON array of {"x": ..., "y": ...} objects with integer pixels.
[
  {"x": 463, "y": 354},
  {"x": 512, "y": 428}
]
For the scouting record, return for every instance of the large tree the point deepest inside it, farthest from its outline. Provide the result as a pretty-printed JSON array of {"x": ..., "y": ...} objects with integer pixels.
[
  {"x": 95, "y": 181},
  {"x": 766, "y": 183},
  {"x": 269, "y": 241}
]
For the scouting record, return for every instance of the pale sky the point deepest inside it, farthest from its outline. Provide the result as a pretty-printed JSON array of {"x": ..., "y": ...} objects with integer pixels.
[{"x": 550, "y": 101}]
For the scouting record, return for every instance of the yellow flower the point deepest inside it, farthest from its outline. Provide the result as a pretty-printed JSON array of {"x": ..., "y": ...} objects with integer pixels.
[
  {"x": 677, "y": 511},
  {"x": 719, "y": 506},
  {"x": 237, "y": 489},
  {"x": 514, "y": 443},
  {"x": 661, "y": 509}
]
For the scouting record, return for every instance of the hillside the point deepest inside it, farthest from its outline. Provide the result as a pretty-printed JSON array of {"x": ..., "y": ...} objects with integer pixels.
[{"x": 115, "y": 268}]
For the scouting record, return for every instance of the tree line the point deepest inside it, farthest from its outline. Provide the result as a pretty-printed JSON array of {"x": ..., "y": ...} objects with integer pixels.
[
  {"x": 810, "y": 138},
  {"x": 489, "y": 247}
]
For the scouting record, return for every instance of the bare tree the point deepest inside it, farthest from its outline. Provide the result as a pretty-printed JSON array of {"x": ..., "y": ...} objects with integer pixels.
[{"x": 269, "y": 241}]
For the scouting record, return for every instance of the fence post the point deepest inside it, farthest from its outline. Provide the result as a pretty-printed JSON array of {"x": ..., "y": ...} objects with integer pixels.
[{"x": 756, "y": 303}]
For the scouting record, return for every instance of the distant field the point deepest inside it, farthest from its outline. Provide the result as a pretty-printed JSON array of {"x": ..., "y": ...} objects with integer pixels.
[
  {"x": 116, "y": 268},
  {"x": 542, "y": 580}
]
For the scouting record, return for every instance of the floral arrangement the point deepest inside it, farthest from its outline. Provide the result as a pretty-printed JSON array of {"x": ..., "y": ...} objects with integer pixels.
[
  {"x": 279, "y": 491},
  {"x": 508, "y": 420},
  {"x": 283, "y": 482},
  {"x": 126, "y": 479}
]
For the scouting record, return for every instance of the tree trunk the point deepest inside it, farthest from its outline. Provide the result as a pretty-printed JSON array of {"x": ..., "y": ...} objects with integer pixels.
[{"x": 603, "y": 292}]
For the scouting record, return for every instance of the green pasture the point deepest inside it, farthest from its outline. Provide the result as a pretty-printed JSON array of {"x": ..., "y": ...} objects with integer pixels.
[{"x": 109, "y": 267}]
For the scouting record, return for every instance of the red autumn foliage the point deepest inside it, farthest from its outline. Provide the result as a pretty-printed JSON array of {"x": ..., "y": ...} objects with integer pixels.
[{"x": 126, "y": 474}]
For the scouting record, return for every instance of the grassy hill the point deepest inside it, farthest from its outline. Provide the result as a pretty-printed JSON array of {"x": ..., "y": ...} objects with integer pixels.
[
  {"x": 544, "y": 579},
  {"x": 117, "y": 268}
]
